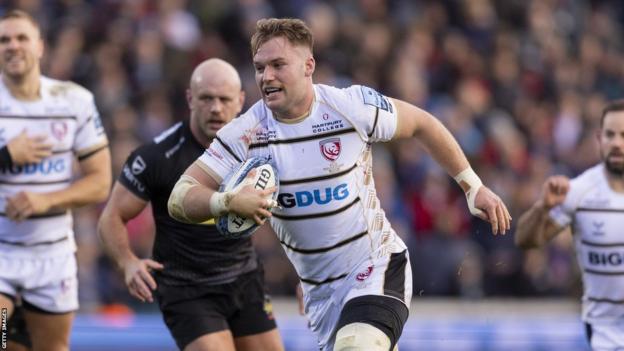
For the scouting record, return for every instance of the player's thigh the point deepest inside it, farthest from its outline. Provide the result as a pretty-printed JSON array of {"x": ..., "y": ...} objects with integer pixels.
[
  {"x": 217, "y": 341},
  {"x": 195, "y": 312},
  {"x": 49, "y": 331},
  {"x": 254, "y": 313},
  {"x": 7, "y": 304},
  {"x": 267, "y": 341}
]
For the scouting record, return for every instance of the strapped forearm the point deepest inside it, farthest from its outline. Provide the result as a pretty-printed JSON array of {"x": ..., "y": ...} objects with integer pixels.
[{"x": 175, "y": 205}]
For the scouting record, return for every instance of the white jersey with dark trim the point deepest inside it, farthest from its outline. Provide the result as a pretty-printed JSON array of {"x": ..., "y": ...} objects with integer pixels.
[
  {"x": 330, "y": 219},
  {"x": 596, "y": 214},
  {"x": 67, "y": 115}
]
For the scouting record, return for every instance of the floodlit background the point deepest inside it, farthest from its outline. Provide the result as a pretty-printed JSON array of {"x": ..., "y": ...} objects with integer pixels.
[{"x": 520, "y": 83}]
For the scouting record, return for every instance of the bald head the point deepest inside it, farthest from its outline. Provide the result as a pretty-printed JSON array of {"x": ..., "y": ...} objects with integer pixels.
[
  {"x": 216, "y": 70},
  {"x": 214, "y": 97}
]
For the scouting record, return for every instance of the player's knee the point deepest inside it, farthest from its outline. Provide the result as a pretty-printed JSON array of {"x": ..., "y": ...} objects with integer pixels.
[{"x": 360, "y": 337}]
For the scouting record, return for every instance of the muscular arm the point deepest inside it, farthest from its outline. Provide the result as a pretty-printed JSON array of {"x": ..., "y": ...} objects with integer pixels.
[
  {"x": 122, "y": 206},
  {"x": 192, "y": 205},
  {"x": 442, "y": 146}
]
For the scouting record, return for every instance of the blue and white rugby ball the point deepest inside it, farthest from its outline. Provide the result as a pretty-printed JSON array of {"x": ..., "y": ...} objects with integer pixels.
[{"x": 232, "y": 225}]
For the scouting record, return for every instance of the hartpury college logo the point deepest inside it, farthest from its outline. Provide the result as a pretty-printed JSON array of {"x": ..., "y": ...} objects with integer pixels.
[{"x": 330, "y": 148}]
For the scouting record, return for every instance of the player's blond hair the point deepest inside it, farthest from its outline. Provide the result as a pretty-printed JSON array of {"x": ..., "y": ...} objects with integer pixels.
[
  {"x": 19, "y": 14},
  {"x": 293, "y": 29}
]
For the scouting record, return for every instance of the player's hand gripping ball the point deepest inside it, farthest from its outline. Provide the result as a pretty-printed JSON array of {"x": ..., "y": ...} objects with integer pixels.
[{"x": 232, "y": 225}]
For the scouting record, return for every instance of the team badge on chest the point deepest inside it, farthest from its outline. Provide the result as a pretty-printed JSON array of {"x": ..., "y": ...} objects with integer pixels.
[
  {"x": 59, "y": 130},
  {"x": 330, "y": 148}
]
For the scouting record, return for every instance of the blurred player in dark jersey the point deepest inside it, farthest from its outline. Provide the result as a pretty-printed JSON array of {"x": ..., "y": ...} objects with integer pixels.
[{"x": 209, "y": 289}]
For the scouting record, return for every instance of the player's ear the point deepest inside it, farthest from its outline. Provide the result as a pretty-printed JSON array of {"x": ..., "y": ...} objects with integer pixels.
[
  {"x": 241, "y": 101},
  {"x": 310, "y": 64},
  {"x": 189, "y": 97}
]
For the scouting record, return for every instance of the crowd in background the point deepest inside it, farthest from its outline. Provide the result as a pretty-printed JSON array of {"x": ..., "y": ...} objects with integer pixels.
[{"x": 520, "y": 83}]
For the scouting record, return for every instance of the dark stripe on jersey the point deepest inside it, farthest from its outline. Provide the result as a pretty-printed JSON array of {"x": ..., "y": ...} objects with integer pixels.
[
  {"x": 34, "y": 244},
  {"x": 85, "y": 156},
  {"x": 316, "y": 215},
  {"x": 589, "y": 243},
  {"x": 328, "y": 280},
  {"x": 61, "y": 151},
  {"x": 83, "y": 125},
  {"x": 394, "y": 277},
  {"x": 36, "y": 183},
  {"x": 227, "y": 148},
  {"x": 325, "y": 249},
  {"x": 316, "y": 179},
  {"x": 591, "y": 271},
  {"x": 596, "y": 299},
  {"x": 374, "y": 123},
  {"x": 39, "y": 216},
  {"x": 37, "y": 117},
  {"x": 302, "y": 139},
  {"x": 606, "y": 210}
]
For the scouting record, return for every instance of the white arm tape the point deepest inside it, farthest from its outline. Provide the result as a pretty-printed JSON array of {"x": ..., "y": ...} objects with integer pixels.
[
  {"x": 470, "y": 182},
  {"x": 219, "y": 203},
  {"x": 175, "y": 205}
]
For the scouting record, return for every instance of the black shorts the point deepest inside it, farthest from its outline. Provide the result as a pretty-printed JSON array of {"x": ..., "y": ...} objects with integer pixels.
[
  {"x": 241, "y": 306},
  {"x": 17, "y": 331}
]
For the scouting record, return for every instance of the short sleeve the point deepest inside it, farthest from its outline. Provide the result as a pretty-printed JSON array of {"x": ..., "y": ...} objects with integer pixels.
[
  {"x": 374, "y": 114},
  {"x": 135, "y": 174},
  {"x": 90, "y": 135}
]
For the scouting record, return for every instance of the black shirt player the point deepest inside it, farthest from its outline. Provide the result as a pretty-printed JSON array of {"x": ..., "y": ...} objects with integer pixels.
[{"x": 209, "y": 289}]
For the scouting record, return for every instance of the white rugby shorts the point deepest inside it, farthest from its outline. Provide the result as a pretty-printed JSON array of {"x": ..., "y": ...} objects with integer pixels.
[
  {"x": 385, "y": 272},
  {"x": 607, "y": 335},
  {"x": 50, "y": 284}
]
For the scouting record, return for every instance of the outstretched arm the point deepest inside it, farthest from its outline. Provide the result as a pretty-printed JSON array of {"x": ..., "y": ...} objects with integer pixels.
[
  {"x": 442, "y": 146},
  {"x": 122, "y": 206},
  {"x": 535, "y": 226}
]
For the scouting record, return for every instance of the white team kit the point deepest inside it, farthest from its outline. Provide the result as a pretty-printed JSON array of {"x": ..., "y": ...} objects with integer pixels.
[
  {"x": 329, "y": 222},
  {"x": 37, "y": 255},
  {"x": 596, "y": 214}
]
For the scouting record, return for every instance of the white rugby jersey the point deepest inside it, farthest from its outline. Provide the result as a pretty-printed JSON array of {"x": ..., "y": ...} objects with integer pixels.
[
  {"x": 330, "y": 218},
  {"x": 66, "y": 113},
  {"x": 596, "y": 214}
]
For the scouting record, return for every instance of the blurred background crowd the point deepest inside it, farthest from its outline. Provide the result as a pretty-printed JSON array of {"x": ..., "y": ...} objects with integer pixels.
[{"x": 520, "y": 83}]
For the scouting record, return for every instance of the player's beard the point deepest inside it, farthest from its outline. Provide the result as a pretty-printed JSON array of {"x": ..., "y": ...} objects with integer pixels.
[{"x": 614, "y": 168}]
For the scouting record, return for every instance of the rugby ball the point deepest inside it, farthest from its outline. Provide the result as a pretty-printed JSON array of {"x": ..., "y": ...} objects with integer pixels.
[{"x": 232, "y": 225}]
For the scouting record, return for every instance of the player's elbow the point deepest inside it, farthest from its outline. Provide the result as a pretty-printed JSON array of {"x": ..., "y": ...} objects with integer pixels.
[{"x": 101, "y": 192}]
